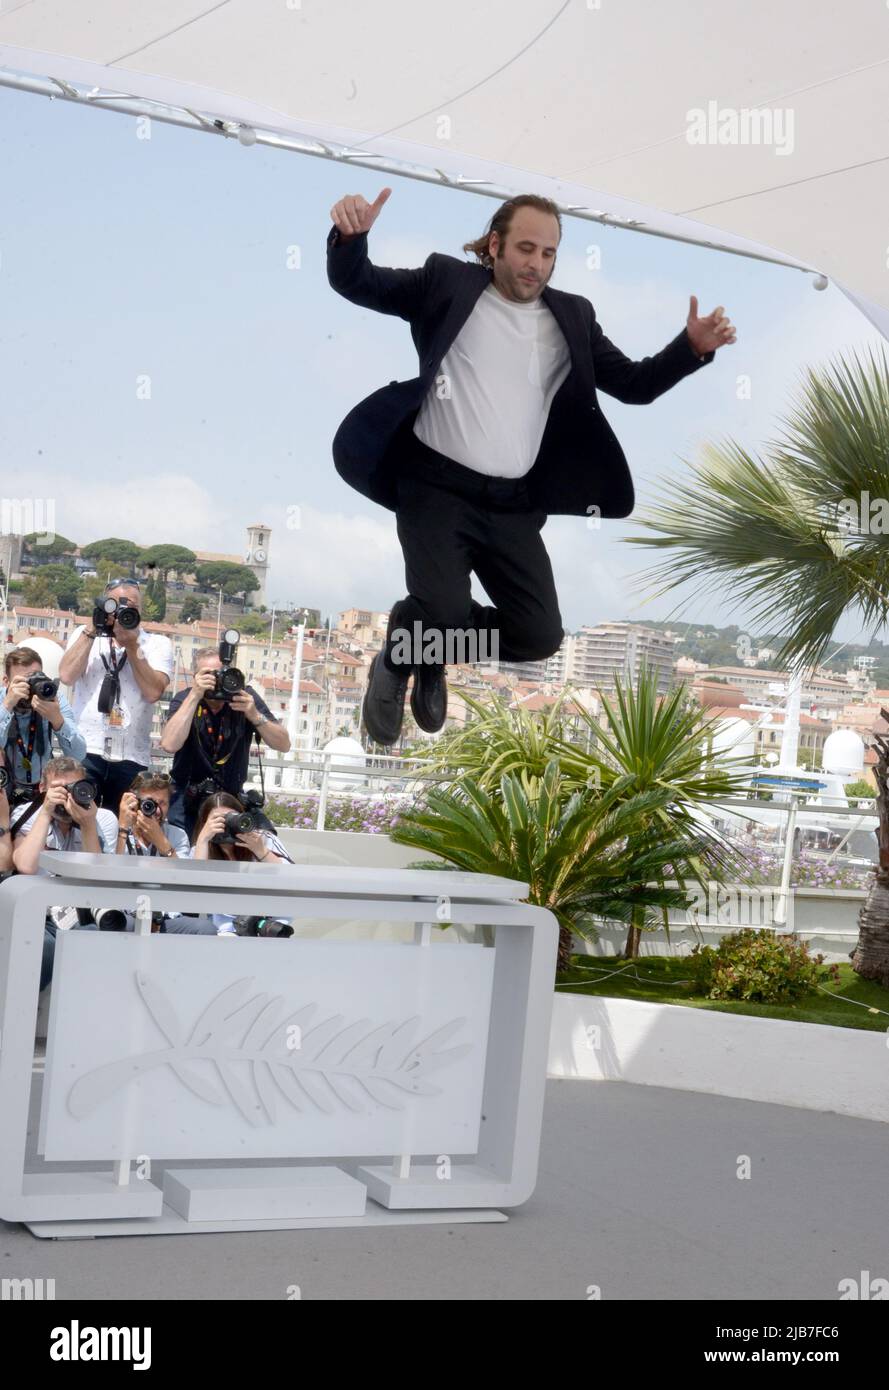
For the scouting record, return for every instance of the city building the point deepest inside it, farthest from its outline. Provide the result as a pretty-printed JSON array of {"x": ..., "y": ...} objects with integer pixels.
[{"x": 594, "y": 655}]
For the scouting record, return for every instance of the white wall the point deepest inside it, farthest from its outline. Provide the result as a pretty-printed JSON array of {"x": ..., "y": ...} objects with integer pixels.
[{"x": 811, "y": 1065}]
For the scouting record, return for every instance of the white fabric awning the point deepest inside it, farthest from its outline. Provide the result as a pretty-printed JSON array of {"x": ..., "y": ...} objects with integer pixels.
[{"x": 597, "y": 104}]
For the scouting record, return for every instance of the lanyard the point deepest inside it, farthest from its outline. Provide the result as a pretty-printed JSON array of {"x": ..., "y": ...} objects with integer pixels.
[
  {"x": 109, "y": 694},
  {"x": 133, "y": 846},
  {"x": 20, "y": 744},
  {"x": 206, "y": 733}
]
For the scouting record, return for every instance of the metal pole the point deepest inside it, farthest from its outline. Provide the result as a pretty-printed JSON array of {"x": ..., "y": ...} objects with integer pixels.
[
  {"x": 271, "y": 635},
  {"x": 322, "y": 799},
  {"x": 781, "y": 914},
  {"x": 293, "y": 711},
  {"x": 299, "y": 143}
]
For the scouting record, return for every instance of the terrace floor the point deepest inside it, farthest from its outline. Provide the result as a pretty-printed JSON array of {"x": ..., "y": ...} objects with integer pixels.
[{"x": 638, "y": 1195}]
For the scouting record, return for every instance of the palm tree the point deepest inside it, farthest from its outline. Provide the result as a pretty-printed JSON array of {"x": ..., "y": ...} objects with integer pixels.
[
  {"x": 585, "y": 856},
  {"x": 796, "y": 537},
  {"x": 653, "y": 752}
]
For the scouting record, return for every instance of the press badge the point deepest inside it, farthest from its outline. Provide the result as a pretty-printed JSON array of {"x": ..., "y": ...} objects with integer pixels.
[{"x": 113, "y": 734}]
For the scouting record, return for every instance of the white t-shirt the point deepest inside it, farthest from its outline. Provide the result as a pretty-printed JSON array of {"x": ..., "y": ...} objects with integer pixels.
[
  {"x": 69, "y": 838},
  {"x": 175, "y": 834},
  {"x": 131, "y": 739},
  {"x": 500, "y": 376},
  {"x": 70, "y": 841}
]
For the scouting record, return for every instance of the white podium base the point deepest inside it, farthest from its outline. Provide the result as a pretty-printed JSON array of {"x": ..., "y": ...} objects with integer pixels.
[
  {"x": 262, "y": 1194},
  {"x": 170, "y": 1223}
]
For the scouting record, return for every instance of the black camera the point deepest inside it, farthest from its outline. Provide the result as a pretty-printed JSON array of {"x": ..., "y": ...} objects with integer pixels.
[
  {"x": 199, "y": 790},
  {"x": 241, "y": 823},
  {"x": 83, "y": 791},
  {"x": 108, "y": 611},
  {"x": 148, "y": 806},
  {"x": 4, "y": 779},
  {"x": 229, "y": 680},
  {"x": 42, "y": 685},
  {"x": 262, "y": 926},
  {"x": 110, "y": 919}
]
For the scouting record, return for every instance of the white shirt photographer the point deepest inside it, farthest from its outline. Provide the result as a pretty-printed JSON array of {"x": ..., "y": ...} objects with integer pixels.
[
  {"x": 65, "y": 835},
  {"x": 131, "y": 739}
]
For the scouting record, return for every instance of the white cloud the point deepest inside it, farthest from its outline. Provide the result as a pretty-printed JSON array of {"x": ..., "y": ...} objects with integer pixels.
[
  {"x": 145, "y": 508},
  {"x": 334, "y": 560}
]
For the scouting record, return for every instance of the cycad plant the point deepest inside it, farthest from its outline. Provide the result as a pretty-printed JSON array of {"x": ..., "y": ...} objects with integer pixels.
[
  {"x": 652, "y": 754},
  {"x": 801, "y": 535},
  {"x": 586, "y": 855}
]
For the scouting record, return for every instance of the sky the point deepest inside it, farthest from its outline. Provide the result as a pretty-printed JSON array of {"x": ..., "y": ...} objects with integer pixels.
[{"x": 175, "y": 364}]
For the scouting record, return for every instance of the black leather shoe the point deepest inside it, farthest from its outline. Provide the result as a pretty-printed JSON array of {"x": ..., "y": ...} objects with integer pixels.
[
  {"x": 383, "y": 706},
  {"x": 429, "y": 697}
]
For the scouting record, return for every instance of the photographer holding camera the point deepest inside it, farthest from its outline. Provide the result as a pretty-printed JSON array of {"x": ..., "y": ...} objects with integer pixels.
[
  {"x": 226, "y": 829},
  {"x": 33, "y": 709},
  {"x": 117, "y": 673},
  {"x": 65, "y": 817},
  {"x": 209, "y": 727},
  {"x": 143, "y": 827}
]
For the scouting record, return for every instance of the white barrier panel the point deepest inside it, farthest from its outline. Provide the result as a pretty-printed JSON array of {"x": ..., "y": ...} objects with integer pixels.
[
  {"x": 427, "y": 1055},
  {"x": 264, "y": 1048}
]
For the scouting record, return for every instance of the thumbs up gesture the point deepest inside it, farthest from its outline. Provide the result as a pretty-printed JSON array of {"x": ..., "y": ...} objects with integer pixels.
[{"x": 353, "y": 214}]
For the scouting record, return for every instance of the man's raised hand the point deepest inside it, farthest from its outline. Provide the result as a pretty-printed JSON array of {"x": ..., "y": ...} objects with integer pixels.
[
  {"x": 709, "y": 332},
  {"x": 353, "y": 214}
]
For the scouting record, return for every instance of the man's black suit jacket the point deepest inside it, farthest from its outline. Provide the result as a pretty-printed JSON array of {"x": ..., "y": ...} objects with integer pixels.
[{"x": 580, "y": 469}]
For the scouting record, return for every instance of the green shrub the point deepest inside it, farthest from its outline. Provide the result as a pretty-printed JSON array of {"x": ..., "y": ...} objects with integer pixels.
[{"x": 759, "y": 965}]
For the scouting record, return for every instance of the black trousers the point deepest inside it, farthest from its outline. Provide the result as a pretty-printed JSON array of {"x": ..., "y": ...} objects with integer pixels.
[
  {"x": 452, "y": 522},
  {"x": 111, "y": 779}
]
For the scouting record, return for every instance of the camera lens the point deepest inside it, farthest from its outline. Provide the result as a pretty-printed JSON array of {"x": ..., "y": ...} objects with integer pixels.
[
  {"x": 148, "y": 806},
  {"x": 273, "y": 926},
  {"x": 110, "y": 919},
  {"x": 231, "y": 681},
  {"x": 83, "y": 792}
]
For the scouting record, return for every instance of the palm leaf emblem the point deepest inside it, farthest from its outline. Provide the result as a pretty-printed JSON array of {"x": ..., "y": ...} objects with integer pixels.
[{"x": 358, "y": 1066}]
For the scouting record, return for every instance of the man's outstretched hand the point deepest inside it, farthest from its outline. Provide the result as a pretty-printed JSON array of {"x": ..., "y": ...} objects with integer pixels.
[
  {"x": 353, "y": 214},
  {"x": 709, "y": 333}
]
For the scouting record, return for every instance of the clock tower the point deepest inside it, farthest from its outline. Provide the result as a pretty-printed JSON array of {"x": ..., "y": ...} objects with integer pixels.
[{"x": 257, "y": 559}]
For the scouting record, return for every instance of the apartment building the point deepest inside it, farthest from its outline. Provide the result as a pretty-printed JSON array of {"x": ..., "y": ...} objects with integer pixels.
[{"x": 594, "y": 655}]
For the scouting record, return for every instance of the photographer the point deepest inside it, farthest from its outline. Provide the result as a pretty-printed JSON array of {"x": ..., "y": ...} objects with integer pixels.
[
  {"x": 65, "y": 817},
  {"x": 210, "y": 734},
  {"x": 144, "y": 829},
  {"x": 117, "y": 673},
  {"x": 28, "y": 719},
  {"x": 217, "y": 837}
]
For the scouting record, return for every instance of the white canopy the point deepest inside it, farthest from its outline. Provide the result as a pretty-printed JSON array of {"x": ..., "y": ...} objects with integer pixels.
[{"x": 757, "y": 128}]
